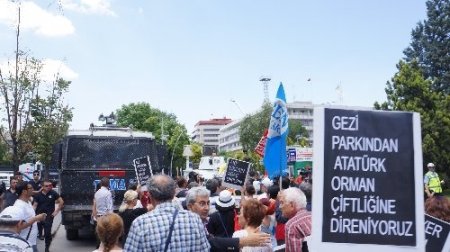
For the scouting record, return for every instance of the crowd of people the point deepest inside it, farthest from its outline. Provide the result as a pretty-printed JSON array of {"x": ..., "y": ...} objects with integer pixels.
[
  {"x": 28, "y": 210},
  {"x": 196, "y": 215},
  {"x": 184, "y": 214}
]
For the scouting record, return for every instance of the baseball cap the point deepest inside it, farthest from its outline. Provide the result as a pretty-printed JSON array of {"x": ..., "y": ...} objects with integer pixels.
[{"x": 430, "y": 165}]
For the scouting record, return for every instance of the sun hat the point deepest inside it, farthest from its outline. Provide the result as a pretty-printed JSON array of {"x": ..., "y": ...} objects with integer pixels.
[
  {"x": 430, "y": 165},
  {"x": 225, "y": 199}
]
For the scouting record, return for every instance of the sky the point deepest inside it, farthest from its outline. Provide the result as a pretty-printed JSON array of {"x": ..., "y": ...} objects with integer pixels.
[{"x": 192, "y": 58}]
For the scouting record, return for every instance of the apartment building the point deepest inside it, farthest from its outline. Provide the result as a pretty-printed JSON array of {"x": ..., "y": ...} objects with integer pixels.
[{"x": 206, "y": 132}]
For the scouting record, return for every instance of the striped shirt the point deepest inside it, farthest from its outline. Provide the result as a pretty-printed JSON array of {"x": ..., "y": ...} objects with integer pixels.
[
  {"x": 150, "y": 231},
  {"x": 297, "y": 228}
]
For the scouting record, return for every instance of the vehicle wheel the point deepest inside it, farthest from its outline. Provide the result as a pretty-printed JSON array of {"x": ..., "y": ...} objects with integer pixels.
[{"x": 71, "y": 234}]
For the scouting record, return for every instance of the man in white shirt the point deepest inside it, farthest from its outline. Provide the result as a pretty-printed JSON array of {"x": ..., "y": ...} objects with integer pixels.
[
  {"x": 29, "y": 230},
  {"x": 103, "y": 199}
]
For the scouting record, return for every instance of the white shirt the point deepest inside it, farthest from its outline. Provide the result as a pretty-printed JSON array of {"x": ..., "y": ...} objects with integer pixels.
[
  {"x": 244, "y": 233},
  {"x": 11, "y": 242},
  {"x": 27, "y": 214},
  {"x": 103, "y": 201}
]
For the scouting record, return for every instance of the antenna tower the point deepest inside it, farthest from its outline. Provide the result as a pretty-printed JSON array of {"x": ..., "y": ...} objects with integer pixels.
[{"x": 265, "y": 81}]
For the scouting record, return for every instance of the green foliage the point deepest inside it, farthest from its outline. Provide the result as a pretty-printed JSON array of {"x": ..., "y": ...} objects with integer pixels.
[
  {"x": 196, "y": 149},
  {"x": 145, "y": 118},
  {"x": 50, "y": 122},
  {"x": 253, "y": 126},
  {"x": 297, "y": 133},
  {"x": 430, "y": 45},
  {"x": 4, "y": 154},
  {"x": 252, "y": 129},
  {"x": 410, "y": 91}
]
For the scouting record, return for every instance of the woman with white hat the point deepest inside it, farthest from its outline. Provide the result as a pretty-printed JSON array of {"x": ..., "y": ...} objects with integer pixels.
[{"x": 221, "y": 223}]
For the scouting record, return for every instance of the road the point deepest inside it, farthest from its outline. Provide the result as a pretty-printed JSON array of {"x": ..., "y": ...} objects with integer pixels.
[{"x": 86, "y": 242}]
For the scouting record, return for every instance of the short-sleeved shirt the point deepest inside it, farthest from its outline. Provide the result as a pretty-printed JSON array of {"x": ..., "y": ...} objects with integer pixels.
[
  {"x": 27, "y": 214},
  {"x": 13, "y": 242},
  {"x": 296, "y": 229},
  {"x": 9, "y": 198},
  {"x": 36, "y": 185},
  {"x": 149, "y": 232},
  {"x": 46, "y": 202}
]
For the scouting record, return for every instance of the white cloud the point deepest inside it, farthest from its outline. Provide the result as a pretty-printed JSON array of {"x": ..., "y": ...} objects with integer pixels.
[
  {"x": 50, "y": 67},
  {"x": 101, "y": 7},
  {"x": 34, "y": 18}
]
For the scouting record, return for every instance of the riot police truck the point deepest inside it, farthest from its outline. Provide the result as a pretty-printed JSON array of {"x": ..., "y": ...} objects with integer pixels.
[{"x": 83, "y": 157}]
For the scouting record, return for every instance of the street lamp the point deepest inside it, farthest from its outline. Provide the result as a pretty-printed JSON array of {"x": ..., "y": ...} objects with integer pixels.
[
  {"x": 237, "y": 105},
  {"x": 173, "y": 151}
]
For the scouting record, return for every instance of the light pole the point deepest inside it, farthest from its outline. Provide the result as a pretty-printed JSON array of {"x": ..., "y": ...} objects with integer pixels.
[
  {"x": 238, "y": 106},
  {"x": 173, "y": 151}
]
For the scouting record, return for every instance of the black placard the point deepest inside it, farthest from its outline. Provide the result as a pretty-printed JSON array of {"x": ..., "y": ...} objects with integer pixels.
[
  {"x": 437, "y": 234},
  {"x": 143, "y": 169},
  {"x": 369, "y": 186},
  {"x": 236, "y": 173}
]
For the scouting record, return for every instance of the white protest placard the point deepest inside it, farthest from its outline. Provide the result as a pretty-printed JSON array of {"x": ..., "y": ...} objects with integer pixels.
[{"x": 368, "y": 190}]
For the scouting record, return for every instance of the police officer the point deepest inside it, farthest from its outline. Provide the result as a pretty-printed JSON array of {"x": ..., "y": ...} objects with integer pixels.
[{"x": 432, "y": 182}]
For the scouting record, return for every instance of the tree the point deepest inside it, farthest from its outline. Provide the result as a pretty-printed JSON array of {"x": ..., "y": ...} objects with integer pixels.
[
  {"x": 409, "y": 90},
  {"x": 252, "y": 129},
  {"x": 17, "y": 87},
  {"x": 145, "y": 118},
  {"x": 196, "y": 149},
  {"x": 253, "y": 126},
  {"x": 4, "y": 155},
  {"x": 430, "y": 45},
  {"x": 297, "y": 133},
  {"x": 50, "y": 121}
]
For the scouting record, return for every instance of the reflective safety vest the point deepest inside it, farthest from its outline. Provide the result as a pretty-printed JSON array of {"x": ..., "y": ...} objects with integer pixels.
[{"x": 434, "y": 183}]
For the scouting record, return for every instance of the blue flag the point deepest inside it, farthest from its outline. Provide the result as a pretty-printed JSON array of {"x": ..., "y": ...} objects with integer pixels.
[{"x": 275, "y": 158}]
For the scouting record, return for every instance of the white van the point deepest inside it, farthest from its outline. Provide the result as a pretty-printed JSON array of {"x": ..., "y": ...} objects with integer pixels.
[{"x": 5, "y": 177}]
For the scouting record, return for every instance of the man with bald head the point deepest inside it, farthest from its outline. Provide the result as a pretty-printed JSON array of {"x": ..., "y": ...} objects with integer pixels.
[{"x": 167, "y": 227}]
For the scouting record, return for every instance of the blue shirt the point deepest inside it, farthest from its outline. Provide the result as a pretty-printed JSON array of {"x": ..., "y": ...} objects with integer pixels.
[{"x": 150, "y": 231}]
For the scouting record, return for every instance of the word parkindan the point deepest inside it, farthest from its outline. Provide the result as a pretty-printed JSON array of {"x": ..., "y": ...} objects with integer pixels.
[
  {"x": 367, "y": 204},
  {"x": 356, "y": 163},
  {"x": 355, "y": 143},
  {"x": 353, "y": 184},
  {"x": 371, "y": 226}
]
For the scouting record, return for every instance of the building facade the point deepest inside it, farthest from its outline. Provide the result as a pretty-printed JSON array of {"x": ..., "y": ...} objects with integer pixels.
[{"x": 206, "y": 132}]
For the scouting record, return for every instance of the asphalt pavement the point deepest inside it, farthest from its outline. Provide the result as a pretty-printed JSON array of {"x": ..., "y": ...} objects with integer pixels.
[{"x": 55, "y": 228}]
